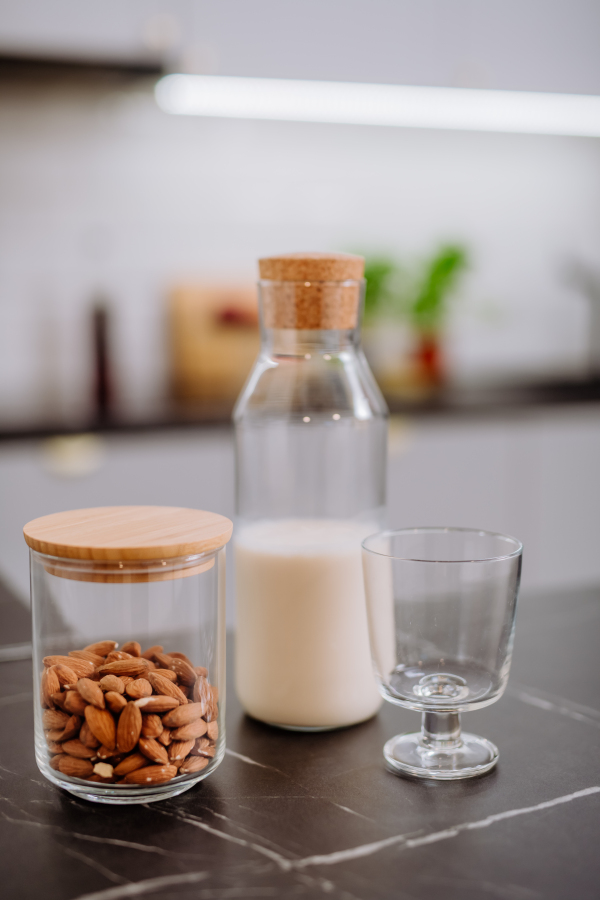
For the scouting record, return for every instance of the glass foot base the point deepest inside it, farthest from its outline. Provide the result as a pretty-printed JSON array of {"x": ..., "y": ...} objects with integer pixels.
[{"x": 408, "y": 754}]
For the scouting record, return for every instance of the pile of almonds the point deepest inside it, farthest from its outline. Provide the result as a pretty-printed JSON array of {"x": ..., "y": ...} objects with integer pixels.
[{"x": 127, "y": 717}]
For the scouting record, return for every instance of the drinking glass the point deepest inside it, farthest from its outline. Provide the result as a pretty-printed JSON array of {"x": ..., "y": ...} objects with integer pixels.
[{"x": 441, "y": 606}]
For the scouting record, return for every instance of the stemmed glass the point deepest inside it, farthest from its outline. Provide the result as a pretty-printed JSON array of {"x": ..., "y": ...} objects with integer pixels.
[{"x": 441, "y": 605}]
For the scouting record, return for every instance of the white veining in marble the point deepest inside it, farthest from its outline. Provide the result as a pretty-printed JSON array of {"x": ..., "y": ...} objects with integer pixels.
[
  {"x": 551, "y": 703},
  {"x": 90, "y": 838},
  {"x": 284, "y": 864},
  {"x": 406, "y": 842},
  {"x": 94, "y": 864},
  {"x": 353, "y": 812},
  {"x": 149, "y": 886},
  {"x": 253, "y": 762},
  {"x": 246, "y": 831}
]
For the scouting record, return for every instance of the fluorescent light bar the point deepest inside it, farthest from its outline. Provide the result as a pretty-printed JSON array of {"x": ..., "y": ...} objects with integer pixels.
[{"x": 379, "y": 104}]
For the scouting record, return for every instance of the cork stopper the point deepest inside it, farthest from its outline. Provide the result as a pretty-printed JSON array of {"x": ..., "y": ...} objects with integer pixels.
[
  {"x": 312, "y": 267},
  {"x": 311, "y": 290}
]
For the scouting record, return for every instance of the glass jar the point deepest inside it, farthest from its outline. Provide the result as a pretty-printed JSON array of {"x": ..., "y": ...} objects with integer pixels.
[
  {"x": 128, "y": 607},
  {"x": 311, "y": 441}
]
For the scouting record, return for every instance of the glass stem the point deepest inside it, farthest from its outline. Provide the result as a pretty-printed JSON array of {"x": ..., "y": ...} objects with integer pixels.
[{"x": 441, "y": 730}]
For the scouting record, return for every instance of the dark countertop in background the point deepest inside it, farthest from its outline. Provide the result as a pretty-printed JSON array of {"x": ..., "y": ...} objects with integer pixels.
[
  {"x": 453, "y": 401},
  {"x": 317, "y": 815}
]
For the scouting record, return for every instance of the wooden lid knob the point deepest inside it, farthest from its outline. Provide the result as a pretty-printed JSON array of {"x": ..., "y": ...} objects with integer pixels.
[
  {"x": 312, "y": 267},
  {"x": 128, "y": 533}
]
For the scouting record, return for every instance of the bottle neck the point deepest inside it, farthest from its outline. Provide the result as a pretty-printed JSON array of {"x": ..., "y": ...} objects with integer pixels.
[{"x": 300, "y": 342}]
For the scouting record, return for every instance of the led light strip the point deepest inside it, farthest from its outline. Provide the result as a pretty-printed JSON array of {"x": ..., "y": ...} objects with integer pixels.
[{"x": 379, "y": 104}]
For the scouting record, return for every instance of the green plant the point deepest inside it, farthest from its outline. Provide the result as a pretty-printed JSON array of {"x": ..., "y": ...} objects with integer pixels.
[
  {"x": 378, "y": 294},
  {"x": 419, "y": 294},
  {"x": 441, "y": 275}
]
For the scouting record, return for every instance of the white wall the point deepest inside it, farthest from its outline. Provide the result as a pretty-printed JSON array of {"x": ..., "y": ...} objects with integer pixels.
[{"x": 100, "y": 191}]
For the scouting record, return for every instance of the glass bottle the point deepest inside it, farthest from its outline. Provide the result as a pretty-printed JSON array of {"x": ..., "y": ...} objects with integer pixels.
[{"x": 311, "y": 443}]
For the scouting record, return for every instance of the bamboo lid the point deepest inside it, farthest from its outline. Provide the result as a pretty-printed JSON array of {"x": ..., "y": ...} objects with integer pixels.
[
  {"x": 312, "y": 267},
  {"x": 128, "y": 533}
]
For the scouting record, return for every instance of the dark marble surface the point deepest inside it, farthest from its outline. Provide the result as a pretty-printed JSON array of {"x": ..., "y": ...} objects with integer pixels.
[{"x": 312, "y": 816}]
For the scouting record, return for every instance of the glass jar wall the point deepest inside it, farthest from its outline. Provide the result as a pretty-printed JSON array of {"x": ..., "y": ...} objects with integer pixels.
[
  {"x": 311, "y": 437},
  {"x": 129, "y": 654}
]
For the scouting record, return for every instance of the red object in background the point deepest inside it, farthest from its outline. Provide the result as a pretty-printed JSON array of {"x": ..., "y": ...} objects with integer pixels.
[
  {"x": 241, "y": 316},
  {"x": 429, "y": 359}
]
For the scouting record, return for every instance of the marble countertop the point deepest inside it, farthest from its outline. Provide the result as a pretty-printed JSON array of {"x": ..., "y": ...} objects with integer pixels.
[{"x": 318, "y": 816}]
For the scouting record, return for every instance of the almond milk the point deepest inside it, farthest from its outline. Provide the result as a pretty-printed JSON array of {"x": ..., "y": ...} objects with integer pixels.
[{"x": 303, "y": 658}]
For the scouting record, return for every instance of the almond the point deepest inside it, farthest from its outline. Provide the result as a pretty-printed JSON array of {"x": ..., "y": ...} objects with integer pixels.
[
  {"x": 154, "y": 751},
  {"x": 75, "y": 768},
  {"x": 130, "y": 764},
  {"x": 71, "y": 729},
  {"x": 65, "y": 674},
  {"x": 183, "y": 715},
  {"x": 132, "y": 667},
  {"x": 118, "y": 654},
  {"x": 74, "y": 703},
  {"x": 189, "y": 732},
  {"x": 81, "y": 667},
  {"x": 151, "y": 775},
  {"x": 54, "y": 762},
  {"x": 102, "y": 726},
  {"x": 162, "y": 659},
  {"x": 167, "y": 673},
  {"x": 54, "y": 735},
  {"x": 162, "y": 685},
  {"x": 129, "y": 728},
  {"x": 49, "y": 685},
  {"x": 54, "y": 718},
  {"x": 156, "y": 704},
  {"x": 132, "y": 647},
  {"x": 127, "y": 679},
  {"x": 139, "y": 688},
  {"x": 104, "y": 770},
  {"x": 200, "y": 670},
  {"x": 212, "y": 730},
  {"x": 115, "y": 702},
  {"x": 184, "y": 671},
  {"x": 112, "y": 683},
  {"x": 91, "y": 692},
  {"x": 53, "y": 747},
  {"x": 77, "y": 749},
  {"x": 151, "y": 665},
  {"x": 152, "y": 726},
  {"x": 202, "y": 693},
  {"x": 175, "y": 654},
  {"x": 86, "y": 737},
  {"x": 58, "y": 699},
  {"x": 86, "y": 654},
  {"x": 193, "y": 764},
  {"x": 149, "y": 653},
  {"x": 180, "y": 749},
  {"x": 204, "y": 747},
  {"x": 104, "y": 753},
  {"x": 102, "y": 647},
  {"x": 165, "y": 737}
]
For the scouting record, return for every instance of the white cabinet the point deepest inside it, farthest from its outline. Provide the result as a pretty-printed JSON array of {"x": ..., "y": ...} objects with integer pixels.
[{"x": 532, "y": 474}]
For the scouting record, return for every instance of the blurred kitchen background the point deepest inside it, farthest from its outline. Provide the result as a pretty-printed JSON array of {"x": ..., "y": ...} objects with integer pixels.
[{"x": 129, "y": 239}]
